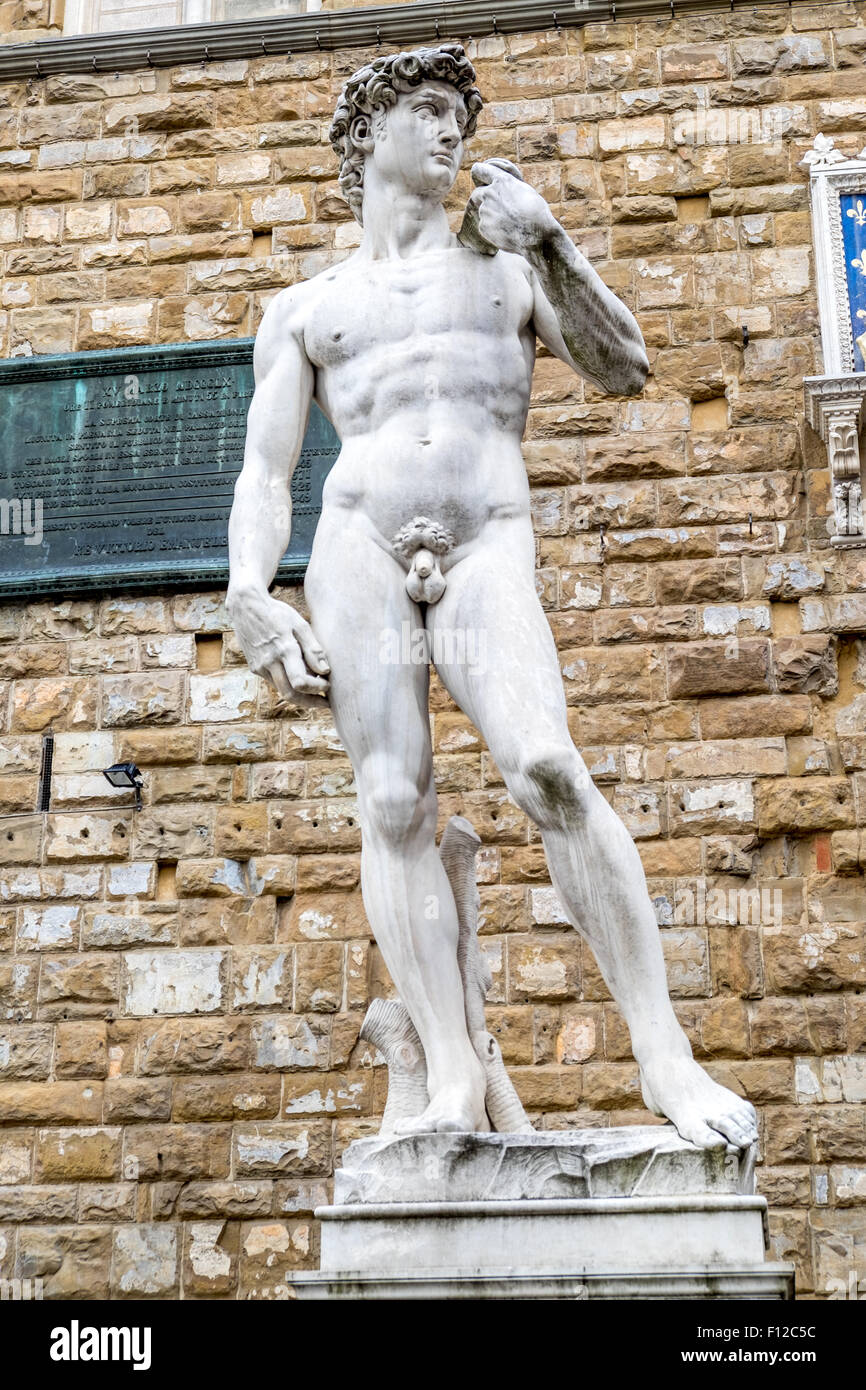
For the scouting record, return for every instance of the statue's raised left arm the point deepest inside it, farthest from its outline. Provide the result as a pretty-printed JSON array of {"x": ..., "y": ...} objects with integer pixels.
[{"x": 576, "y": 316}]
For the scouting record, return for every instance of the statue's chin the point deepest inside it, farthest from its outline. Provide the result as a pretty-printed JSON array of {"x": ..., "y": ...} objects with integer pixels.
[{"x": 439, "y": 179}]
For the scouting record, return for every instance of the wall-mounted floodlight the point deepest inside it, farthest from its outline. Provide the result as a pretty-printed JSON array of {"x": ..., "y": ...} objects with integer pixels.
[{"x": 126, "y": 775}]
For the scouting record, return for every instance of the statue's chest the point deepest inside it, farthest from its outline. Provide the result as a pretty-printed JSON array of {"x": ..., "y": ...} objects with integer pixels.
[{"x": 395, "y": 303}]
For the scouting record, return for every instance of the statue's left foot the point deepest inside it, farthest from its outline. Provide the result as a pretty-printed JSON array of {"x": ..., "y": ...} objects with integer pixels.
[
  {"x": 453, "y": 1110},
  {"x": 702, "y": 1111}
]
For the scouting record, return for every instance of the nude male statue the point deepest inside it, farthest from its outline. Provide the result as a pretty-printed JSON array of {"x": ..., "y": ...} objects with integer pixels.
[{"x": 420, "y": 350}]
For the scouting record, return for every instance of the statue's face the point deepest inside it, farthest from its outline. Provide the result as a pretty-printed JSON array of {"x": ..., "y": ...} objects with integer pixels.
[{"x": 418, "y": 142}]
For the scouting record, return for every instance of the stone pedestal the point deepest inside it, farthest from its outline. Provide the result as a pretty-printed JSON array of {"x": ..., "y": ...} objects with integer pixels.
[{"x": 616, "y": 1213}]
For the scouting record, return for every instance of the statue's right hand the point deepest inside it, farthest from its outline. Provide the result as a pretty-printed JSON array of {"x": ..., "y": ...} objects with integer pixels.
[{"x": 279, "y": 645}]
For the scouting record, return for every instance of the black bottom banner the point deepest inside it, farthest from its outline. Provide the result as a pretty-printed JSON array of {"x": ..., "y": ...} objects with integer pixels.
[{"x": 219, "y": 1340}]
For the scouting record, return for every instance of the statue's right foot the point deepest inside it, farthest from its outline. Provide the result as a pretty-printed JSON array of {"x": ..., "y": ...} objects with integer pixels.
[{"x": 455, "y": 1109}]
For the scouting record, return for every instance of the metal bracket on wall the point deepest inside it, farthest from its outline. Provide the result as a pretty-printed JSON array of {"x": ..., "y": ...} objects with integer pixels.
[{"x": 44, "y": 797}]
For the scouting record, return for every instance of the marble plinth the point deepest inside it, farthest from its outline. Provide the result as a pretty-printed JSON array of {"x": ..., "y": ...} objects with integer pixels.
[{"x": 619, "y": 1213}]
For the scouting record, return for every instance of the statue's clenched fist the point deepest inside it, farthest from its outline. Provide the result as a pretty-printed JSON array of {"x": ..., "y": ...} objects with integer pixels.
[
  {"x": 280, "y": 645},
  {"x": 507, "y": 213}
]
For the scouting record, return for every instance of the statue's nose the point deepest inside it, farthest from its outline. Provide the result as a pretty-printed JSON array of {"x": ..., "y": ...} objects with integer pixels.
[{"x": 449, "y": 135}]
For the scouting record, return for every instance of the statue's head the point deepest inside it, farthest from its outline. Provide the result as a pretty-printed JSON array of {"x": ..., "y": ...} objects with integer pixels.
[{"x": 411, "y": 113}]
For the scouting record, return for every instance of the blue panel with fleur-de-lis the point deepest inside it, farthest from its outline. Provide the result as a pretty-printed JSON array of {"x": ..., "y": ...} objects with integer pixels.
[{"x": 853, "y": 208}]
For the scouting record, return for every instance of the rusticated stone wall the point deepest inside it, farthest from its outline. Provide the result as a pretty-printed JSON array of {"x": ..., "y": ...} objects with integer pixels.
[{"x": 181, "y": 989}]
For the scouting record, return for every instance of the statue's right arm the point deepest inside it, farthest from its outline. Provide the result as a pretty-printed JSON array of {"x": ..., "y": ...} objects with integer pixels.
[
  {"x": 261, "y": 518},
  {"x": 277, "y": 642}
]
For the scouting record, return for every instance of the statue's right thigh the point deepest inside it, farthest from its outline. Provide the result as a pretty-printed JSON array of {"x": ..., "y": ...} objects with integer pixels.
[{"x": 368, "y": 626}]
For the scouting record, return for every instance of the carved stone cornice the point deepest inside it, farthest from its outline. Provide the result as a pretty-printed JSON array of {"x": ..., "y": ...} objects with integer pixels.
[
  {"x": 390, "y": 26},
  {"x": 836, "y": 410}
]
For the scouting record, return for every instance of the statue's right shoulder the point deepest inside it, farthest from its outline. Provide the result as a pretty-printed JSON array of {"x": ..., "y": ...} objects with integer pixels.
[
  {"x": 287, "y": 307},
  {"x": 282, "y": 325},
  {"x": 290, "y": 309}
]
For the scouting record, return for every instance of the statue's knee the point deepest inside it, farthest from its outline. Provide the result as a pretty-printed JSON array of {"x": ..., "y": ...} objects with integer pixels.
[
  {"x": 553, "y": 786},
  {"x": 395, "y": 810}
]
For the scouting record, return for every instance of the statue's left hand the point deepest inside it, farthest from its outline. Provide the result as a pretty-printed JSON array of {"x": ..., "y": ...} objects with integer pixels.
[{"x": 507, "y": 211}]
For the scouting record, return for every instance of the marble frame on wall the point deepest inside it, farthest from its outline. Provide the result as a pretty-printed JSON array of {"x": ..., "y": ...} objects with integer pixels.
[
  {"x": 84, "y": 16},
  {"x": 836, "y": 401},
  {"x": 837, "y": 190}
]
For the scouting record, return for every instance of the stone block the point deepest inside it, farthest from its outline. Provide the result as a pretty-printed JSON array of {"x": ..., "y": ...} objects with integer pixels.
[
  {"x": 145, "y": 1261},
  {"x": 173, "y": 982},
  {"x": 295, "y": 1149},
  {"x": 715, "y": 668},
  {"x": 77, "y": 1154},
  {"x": 186, "y": 1151},
  {"x": 81, "y": 1049},
  {"x": 800, "y": 806},
  {"x": 155, "y": 698}
]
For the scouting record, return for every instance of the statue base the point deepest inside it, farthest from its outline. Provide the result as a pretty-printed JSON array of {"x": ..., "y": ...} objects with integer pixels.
[{"x": 634, "y": 1213}]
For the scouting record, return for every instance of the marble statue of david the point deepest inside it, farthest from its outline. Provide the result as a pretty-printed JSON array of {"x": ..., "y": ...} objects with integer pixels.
[{"x": 420, "y": 348}]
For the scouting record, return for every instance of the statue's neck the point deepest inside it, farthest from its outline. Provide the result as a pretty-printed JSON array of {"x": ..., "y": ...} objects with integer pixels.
[{"x": 398, "y": 226}]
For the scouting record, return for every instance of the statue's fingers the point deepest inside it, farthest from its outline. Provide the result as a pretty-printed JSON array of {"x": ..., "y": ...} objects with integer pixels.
[
  {"x": 489, "y": 222},
  {"x": 506, "y": 166},
  {"x": 469, "y": 234},
  {"x": 311, "y": 685},
  {"x": 482, "y": 173},
  {"x": 265, "y": 666},
  {"x": 485, "y": 171},
  {"x": 278, "y": 678},
  {"x": 310, "y": 646},
  {"x": 298, "y": 675},
  {"x": 301, "y": 700}
]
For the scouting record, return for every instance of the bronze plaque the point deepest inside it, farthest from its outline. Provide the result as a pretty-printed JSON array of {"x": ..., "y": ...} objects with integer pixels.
[{"x": 117, "y": 469}]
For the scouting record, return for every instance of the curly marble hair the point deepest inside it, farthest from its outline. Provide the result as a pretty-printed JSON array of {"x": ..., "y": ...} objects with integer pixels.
[{"x": 378, "y": 85}]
